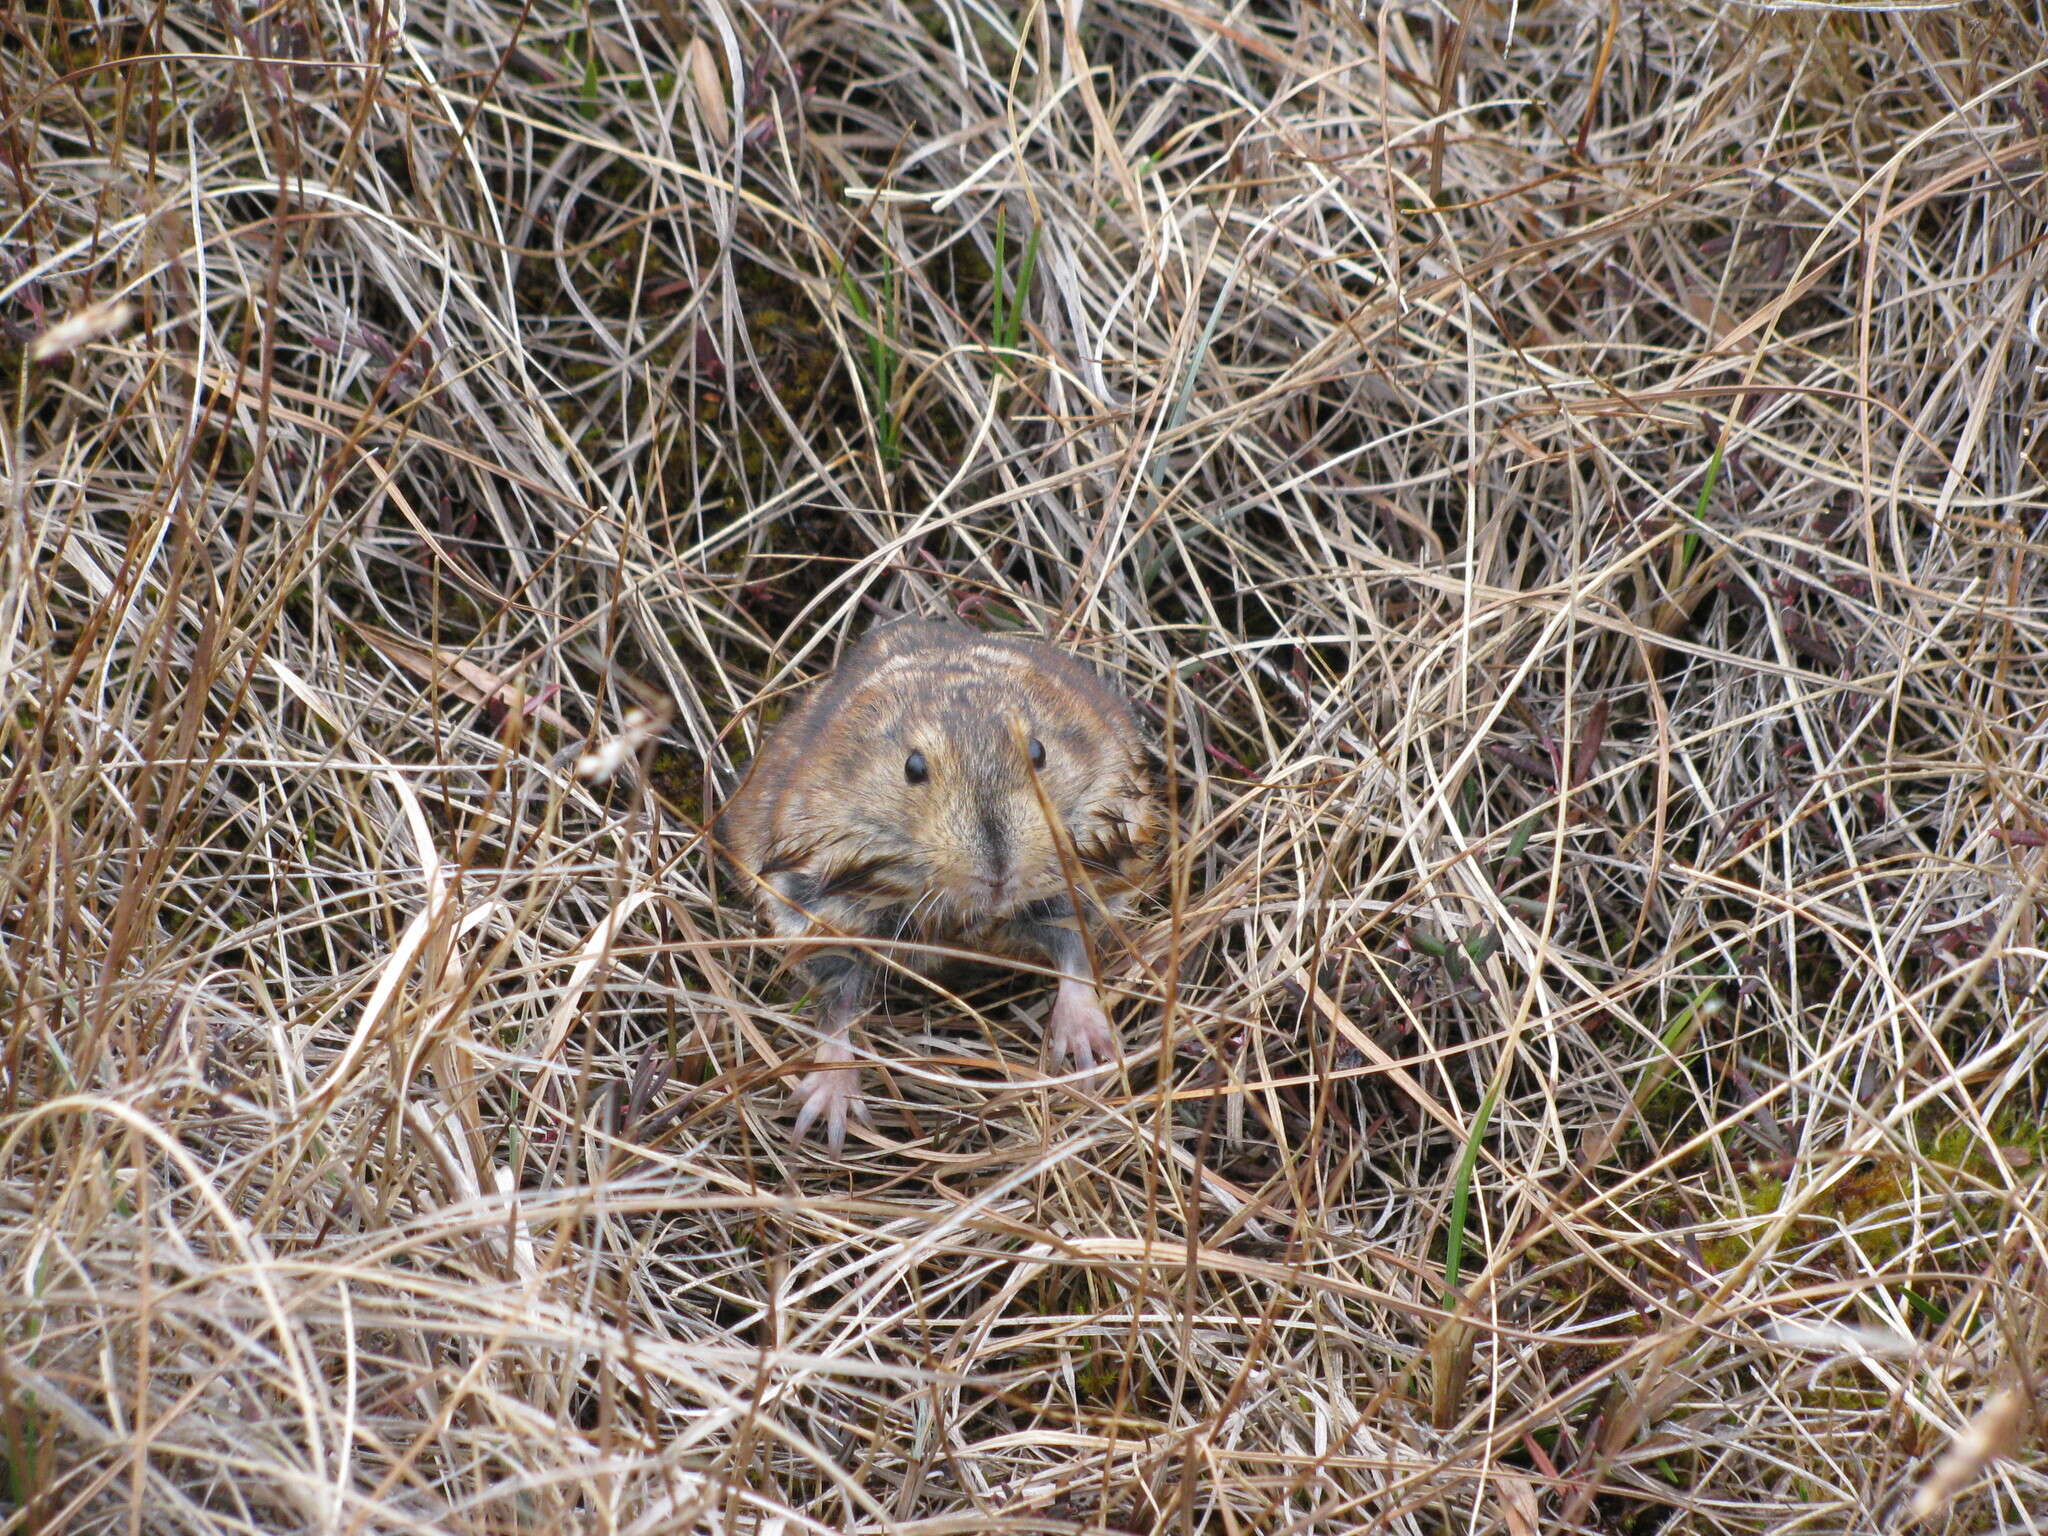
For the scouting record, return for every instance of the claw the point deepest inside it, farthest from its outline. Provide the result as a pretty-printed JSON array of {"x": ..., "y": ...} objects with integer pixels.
[
  {"x": 828, "y": 1095},
  {"x": 1078, "y": 1027}
]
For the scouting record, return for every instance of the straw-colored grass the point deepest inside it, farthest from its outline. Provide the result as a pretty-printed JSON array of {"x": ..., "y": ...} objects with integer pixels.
[{"x": 1563, "y": 481}]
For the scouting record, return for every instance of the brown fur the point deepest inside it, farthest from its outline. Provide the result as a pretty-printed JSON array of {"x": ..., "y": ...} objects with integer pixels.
[{"x": 834, "y": 840}]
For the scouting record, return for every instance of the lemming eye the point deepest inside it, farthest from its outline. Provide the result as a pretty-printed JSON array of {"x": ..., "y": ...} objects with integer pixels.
[
  {"x": 915, "y": 770},
  {"x": 1037, "y": 751}
]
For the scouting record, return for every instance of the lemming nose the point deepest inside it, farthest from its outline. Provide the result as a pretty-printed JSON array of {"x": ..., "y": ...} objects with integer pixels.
[{"x": 996, "y": 851}]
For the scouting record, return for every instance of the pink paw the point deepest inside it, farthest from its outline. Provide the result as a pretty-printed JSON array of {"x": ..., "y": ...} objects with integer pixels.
[
  {"x": 1078, "y": 1028},
  {"x": 828, "y": 1095}
]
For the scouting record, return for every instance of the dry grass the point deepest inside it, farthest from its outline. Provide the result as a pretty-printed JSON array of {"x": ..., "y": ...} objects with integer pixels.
[{"x": 1565, "y": 482}]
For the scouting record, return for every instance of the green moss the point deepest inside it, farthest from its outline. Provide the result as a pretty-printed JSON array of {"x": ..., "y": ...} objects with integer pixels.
[
  {"x": 1858, "y": 1206},
  {"x": 676, "y": 776}
]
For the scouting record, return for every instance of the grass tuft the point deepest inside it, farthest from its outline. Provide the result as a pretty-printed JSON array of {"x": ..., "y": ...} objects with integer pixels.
[{"x": 1565, "y": 483}]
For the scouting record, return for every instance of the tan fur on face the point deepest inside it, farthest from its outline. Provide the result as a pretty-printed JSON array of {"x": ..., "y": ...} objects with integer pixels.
[{"x": 834, "y": 838}]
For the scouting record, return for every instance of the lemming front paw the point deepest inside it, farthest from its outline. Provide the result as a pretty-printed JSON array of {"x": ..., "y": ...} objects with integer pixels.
[{"x": 1078, "y": 1028}]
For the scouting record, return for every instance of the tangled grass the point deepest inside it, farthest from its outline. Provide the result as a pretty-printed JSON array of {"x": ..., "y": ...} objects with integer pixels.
[{"x": 1565, "y": 483}]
